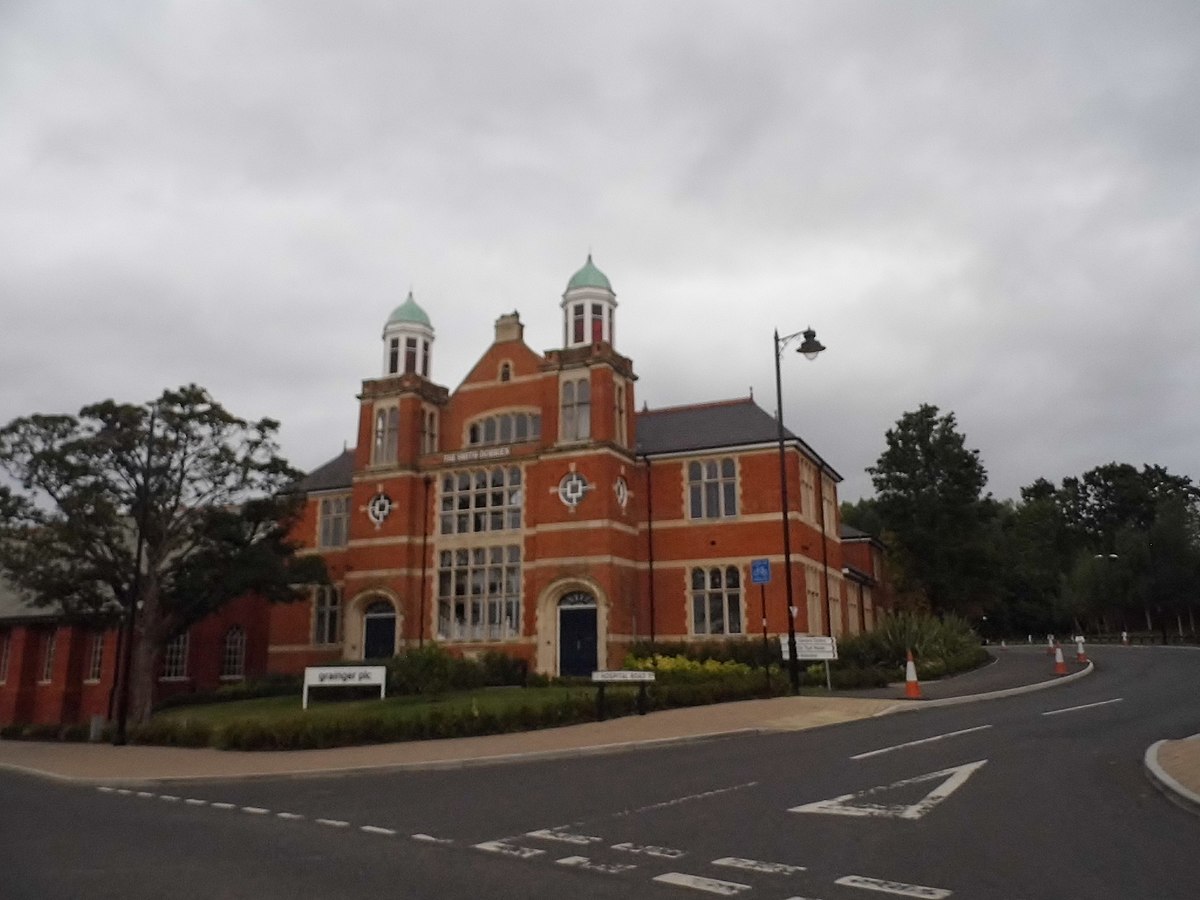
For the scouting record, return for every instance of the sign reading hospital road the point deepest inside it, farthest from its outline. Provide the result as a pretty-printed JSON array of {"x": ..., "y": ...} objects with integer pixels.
[
  {"x": 344, "y": 676},
  {"x": 811, "y": 647},
  {"x": 621, "y": 675}
]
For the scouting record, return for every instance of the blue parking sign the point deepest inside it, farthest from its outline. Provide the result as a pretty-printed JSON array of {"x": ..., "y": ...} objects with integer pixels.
[{"x": 760, "y": 571}]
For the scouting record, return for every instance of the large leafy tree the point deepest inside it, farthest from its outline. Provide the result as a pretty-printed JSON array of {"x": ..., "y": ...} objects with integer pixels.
[
  {"x": 176, "y": 506},
  {"x": 929, "y": 495}
]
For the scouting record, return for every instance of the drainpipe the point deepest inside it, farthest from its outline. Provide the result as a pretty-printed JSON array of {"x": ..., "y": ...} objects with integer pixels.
[
  {"x": 650, "y": 548},
  {"x": 425, "y": 514}
]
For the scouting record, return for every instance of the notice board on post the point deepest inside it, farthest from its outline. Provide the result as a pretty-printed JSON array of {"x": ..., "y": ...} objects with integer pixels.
[{"x": 345, "y": 676}]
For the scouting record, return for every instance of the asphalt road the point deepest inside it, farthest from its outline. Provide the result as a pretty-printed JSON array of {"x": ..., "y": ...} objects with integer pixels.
[{"x": 1036, "y": 796}]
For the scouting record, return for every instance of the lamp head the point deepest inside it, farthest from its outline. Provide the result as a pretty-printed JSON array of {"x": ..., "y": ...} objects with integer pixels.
[{"x": 811, "y": 346}]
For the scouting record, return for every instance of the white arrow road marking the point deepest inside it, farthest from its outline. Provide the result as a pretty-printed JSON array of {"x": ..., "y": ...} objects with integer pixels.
[
  {"x": 710, "y": 885},
  {"x": 754, "y": 865},
  {"x": 928, "y": 740},
  {"x": 582, "y": 862},
  {"x": 1055, "y": 712},
  {"x": 893, "y": 887},
  {"x": 845, "y": 805}
]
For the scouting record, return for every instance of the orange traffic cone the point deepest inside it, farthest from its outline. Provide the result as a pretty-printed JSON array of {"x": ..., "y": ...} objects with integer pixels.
[
  {"x": 912, "y": 687},
  {"x": 1080, "y": 656},
  {"x": 1060, "y": 665}
]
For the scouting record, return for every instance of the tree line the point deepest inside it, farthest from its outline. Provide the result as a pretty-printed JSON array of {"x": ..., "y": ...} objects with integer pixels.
[{"x": 1114, "y": 549}]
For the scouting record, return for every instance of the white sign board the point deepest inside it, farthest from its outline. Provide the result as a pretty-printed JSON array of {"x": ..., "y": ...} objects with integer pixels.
[
  {"x": 810, "y": 647},
  {"x": 619, "y": 675},
  {"x": 345, "y": 676}
]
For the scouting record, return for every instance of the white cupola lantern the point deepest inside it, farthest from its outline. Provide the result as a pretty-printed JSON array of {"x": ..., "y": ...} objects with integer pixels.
[
  {"x": 407, "y": 340},
  {"x": 589, "y": 308}
]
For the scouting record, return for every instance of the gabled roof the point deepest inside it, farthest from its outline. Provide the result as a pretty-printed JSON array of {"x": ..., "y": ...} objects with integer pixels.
[
  {"x": 337, "y": 473},
  {"x": 705, "y": 426}
]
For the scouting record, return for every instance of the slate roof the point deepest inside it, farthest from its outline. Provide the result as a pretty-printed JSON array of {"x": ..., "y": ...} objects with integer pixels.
[
  {"x": 337, "y": 473},
  {"x": 15, "y": 609},
  {"x": 704, "y": 426}
]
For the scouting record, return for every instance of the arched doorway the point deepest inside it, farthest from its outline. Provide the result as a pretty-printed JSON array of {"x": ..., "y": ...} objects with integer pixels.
[
  {"x": 577, "y": 634},
  {"x": 379, "y": 630}
]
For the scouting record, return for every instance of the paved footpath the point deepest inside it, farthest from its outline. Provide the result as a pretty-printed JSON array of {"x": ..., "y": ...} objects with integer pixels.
[{"x": 1173, "y": 765}]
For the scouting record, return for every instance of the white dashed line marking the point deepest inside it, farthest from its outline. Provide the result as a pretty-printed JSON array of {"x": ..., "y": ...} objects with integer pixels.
[
  {"x": 509, "y": 849},
  {"x": 893, "y": 887},
  {"x": 559, "y": 834},
  {"x": 582, "y": 862},
  {"x": 191, "y": 801},
  {"x": 145, "y": 795},
  {"x": 170, "y": 798},
  {"x": 223, "y": 805},
  {"x": 1055, "y": 712},
  {"x": 335, "y": 823},
  {"x": 754, "y": 865},
  {"x": 255, "y": 810},
  {"x": 107, "y": 790},
  {"x": 430, "y": 839},
  {"x": 928, "y": 740},
  {"x": 701, "y": 796},
  {"x": 696, "y": 882},
  {"x": 291, "y": 817},
  {"x": 124, "y": 792},
  {"x": 650, "y": 850},
  {"x": 375, "y": 829}
]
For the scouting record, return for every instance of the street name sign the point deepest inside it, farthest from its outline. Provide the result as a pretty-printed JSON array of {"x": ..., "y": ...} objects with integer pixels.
[
  {"x": 810, "y": 647},
  {"x": 621, "y": 675}
]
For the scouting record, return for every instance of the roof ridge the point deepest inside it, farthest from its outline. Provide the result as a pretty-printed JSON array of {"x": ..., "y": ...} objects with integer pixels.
[{"x": 709, "y": 404}]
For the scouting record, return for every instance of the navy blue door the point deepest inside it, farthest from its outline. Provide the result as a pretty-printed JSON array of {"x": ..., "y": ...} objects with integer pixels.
[
  {"x": 379, "y": 631},
  {"x": 576, "y": 640}
]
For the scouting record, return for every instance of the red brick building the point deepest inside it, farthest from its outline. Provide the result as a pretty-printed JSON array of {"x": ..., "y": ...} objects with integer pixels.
[{"x": 532, "y": 510}]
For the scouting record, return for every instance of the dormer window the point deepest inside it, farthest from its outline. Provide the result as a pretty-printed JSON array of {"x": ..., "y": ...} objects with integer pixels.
[{"x": 505, "y": 372}]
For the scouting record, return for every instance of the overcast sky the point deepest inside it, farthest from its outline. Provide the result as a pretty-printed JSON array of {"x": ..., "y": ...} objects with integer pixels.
[{"x": 990, "y": 207}]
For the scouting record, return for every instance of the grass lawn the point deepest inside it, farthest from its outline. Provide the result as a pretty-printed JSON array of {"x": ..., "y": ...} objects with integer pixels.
[{"x": 271, "y": 709}]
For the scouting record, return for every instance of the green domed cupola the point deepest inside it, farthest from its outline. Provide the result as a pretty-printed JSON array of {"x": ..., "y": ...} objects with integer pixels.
[
  {"x": 589, "y": 277},
  {"x": 589, "y": 307},
  {"x": 407, "y": 340},
  {"x": 409, "y": 311}
]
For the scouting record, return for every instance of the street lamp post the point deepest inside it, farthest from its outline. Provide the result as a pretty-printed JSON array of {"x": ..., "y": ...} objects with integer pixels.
[{"x": 810, "y": 347}]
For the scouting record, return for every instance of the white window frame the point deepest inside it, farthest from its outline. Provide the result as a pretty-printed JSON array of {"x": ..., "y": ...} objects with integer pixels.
[
  {"x": 429, "y": 430},
  {"x": 479, "y": 594},
  {"x": 575, "y": 405},
  {"x": 49, "y": 643},
  {"x": 333, "y": 521},
  {"x": 175, "y": 658},
  {"x": 723, "y": 585},
  {"x": 327, "y": 615},
  {"x": 386, "y": 444},
  {"x": 233, "y": 654},
  {"x": 712, "y": 488},
  {"x": 95, "y": 658},
  {"x": 479, "y": 501}
]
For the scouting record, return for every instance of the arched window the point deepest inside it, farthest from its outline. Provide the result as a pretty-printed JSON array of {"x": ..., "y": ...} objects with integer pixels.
[
  {"x": 576, "y": 419},
  {"x": 233, "y": 653},
  {"x": 505, "y": 372},
  {"x": 387, "y": 434},
  {"x": 175, "y": 657}
]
